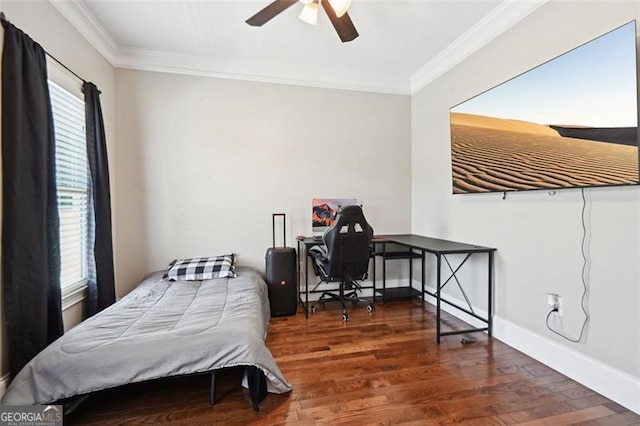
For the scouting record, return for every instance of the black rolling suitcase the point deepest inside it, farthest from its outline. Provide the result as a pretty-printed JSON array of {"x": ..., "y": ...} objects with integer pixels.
[{"x": 281, "y": 275}]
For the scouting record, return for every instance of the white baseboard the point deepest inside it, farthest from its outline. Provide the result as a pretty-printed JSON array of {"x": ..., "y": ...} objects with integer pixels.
[
  {"x": 4, "y": 384},
  {"x": 612, "y": 383}
]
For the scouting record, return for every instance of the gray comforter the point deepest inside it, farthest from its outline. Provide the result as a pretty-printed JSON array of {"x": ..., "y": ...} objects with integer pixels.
[{"x": 159, "y": 329}]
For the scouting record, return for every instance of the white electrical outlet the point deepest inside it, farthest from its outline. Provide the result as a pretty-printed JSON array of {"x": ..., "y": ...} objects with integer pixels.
[
  {"x": 554, "y": 301},
  {"x": 559, "y": 306}
]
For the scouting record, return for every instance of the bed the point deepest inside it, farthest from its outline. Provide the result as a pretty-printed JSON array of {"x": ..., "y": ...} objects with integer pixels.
[{"x": 160, "y": 329}]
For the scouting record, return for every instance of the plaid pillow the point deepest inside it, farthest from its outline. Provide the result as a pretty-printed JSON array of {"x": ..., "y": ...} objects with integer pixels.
[{"x": 203, "y": 268}]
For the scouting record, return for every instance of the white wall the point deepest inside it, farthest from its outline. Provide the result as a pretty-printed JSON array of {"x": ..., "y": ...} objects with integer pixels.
[
  {"x": 537, "y": 235},
  {"x": 202, "y": 163},
  {"x": 47, "y": 27}
]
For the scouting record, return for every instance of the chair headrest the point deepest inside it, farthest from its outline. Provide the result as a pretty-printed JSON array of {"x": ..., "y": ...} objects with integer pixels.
[
  {"x": 348, "y": 243},
  {"x": 349, "y": 220}
]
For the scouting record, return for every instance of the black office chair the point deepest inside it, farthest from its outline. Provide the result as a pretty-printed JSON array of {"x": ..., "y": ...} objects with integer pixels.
[{"x": 344, "y": 258}]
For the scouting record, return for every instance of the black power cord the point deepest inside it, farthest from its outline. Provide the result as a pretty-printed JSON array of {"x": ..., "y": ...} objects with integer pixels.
[{"x": 586, "y": 265}]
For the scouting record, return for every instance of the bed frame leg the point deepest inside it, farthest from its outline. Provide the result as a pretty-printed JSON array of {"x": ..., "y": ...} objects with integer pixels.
[
  {"x": 257, "y": 386},
  {"x": 212, "y": 394}
]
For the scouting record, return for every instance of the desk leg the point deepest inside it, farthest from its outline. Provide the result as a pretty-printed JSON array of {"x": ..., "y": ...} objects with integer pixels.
[
  {"x": 374, "y": 273},
  {"x": 490, "y": 295},
  {"x": 306, "y": 282},
  {"x": 384, "y": 271},
  {"x": 423, "y": 277},
  {"x": 298, "y": 272},
  {"x": 411, "y": 268},
  {"x": 438, "y": 267}
]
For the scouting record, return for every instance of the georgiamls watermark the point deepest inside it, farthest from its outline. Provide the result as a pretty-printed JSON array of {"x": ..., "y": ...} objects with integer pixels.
[{"x": 31, "y": 415}]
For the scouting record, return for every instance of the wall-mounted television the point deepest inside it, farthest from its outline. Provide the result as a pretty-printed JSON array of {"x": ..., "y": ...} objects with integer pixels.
[{"x": 570, "y": 122}]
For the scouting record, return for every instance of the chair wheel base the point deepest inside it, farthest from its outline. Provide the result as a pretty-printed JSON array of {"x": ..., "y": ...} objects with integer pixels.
[{"x": 344, "y": 299}]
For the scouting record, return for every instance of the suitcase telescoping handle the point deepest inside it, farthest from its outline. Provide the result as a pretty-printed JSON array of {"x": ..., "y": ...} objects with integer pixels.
[{"x": 284, "y": 228}]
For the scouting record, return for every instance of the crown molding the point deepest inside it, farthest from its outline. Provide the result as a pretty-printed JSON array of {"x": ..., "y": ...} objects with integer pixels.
[
  {"x": 500, "y": 19},
  {"x": 145, "y": 60},
  {"x": 81, "y": 18}
]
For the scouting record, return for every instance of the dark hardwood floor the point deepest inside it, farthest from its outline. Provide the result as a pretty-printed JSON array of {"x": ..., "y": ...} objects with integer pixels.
[{"x": 383, "y": 368}]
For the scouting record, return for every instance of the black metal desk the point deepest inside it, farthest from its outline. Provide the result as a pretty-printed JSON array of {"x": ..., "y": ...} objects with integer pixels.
[
  {"x": 440, "y": 249},
  {"x": 417, "y": 246}
]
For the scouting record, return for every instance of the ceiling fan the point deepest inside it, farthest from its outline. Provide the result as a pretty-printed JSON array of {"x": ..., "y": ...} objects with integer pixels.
[{"x": 336, "y": 10}]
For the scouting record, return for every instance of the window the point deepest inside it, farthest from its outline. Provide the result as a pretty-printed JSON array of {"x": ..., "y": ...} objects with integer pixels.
[{"x": 72, "y": 180}]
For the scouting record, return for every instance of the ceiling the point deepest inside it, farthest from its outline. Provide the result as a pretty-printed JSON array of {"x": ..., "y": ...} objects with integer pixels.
[{"x": 403, "y": 45}]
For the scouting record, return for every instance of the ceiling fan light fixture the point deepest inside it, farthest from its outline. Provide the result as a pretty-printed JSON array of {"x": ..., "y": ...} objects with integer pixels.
[
  {"x": 305, "y": 1},
  {"x": 340, "y": 6},
  {"x": 309, "y": 13}
]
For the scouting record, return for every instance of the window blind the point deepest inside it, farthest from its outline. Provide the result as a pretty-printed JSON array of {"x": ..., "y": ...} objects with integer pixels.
[{"x": 72, "y": 179}]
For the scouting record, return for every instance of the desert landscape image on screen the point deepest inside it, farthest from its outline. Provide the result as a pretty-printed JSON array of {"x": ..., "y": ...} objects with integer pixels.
[{"x": 570, "y": 122}]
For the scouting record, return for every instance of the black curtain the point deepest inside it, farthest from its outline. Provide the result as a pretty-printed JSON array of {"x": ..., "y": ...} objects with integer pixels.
[
  {"x": 101, "y": 290},
  {"x": 30, "y": 247}
]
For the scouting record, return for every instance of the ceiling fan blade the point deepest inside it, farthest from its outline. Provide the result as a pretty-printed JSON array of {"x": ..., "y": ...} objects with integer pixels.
[
  {"x": 343, "y": 25},
  {"x": 269, "y": 12}
]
